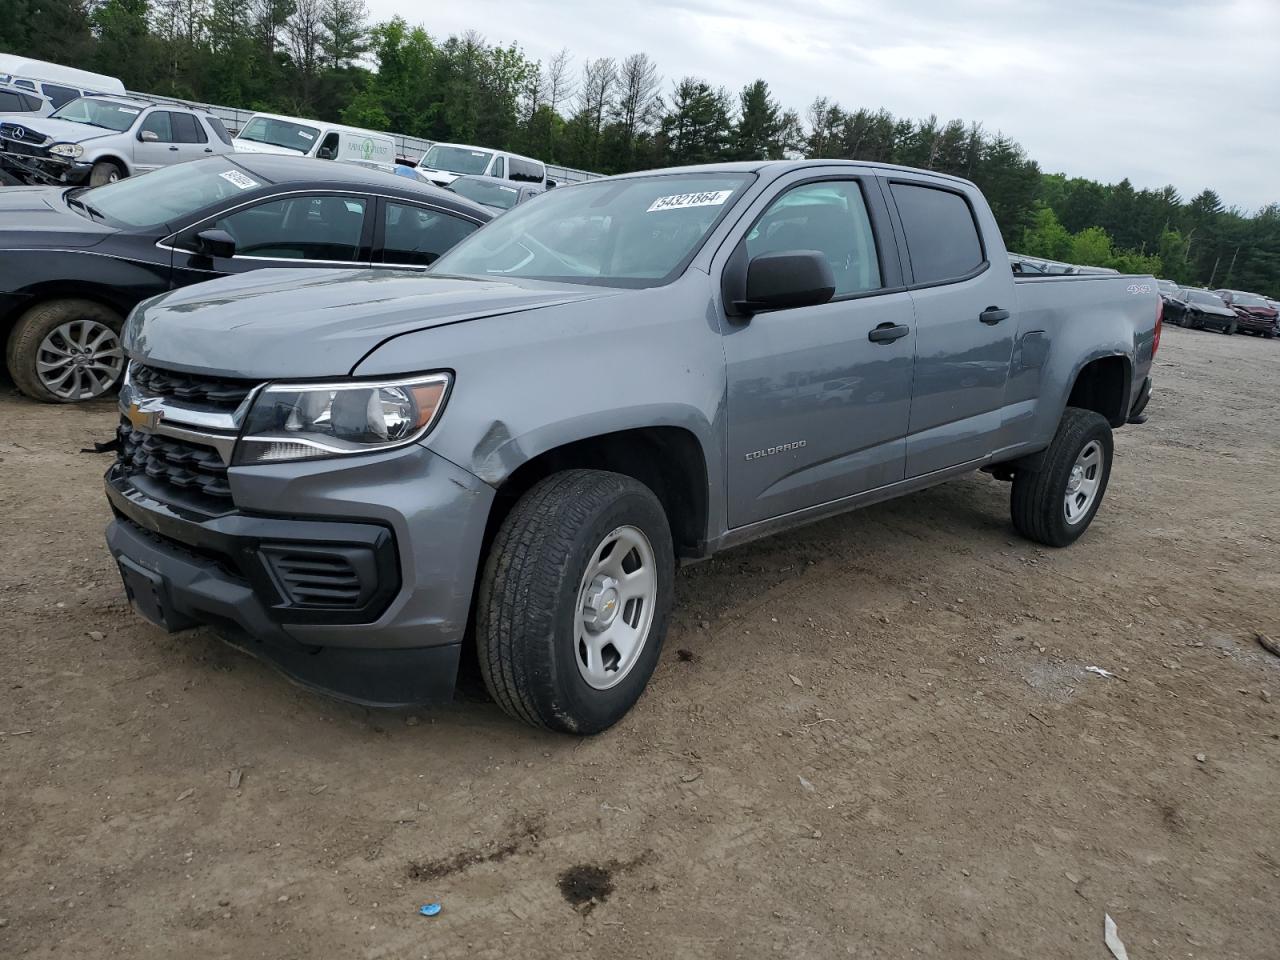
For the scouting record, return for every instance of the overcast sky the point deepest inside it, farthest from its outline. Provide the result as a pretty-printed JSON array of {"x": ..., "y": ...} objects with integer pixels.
[{"x": 1161, "y": 91}]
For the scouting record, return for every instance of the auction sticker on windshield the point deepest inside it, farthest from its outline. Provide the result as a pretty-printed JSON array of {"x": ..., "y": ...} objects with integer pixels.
[
  {"x": 238, "y": 179},
  {"x": 713, "y": 198}
]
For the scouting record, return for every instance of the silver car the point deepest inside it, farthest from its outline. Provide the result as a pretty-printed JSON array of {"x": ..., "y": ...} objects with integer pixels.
[{"x": 101, "y": 139}]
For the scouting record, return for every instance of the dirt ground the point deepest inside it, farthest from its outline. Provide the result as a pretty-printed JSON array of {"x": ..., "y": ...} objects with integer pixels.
[{"x": 874, "y": 737}]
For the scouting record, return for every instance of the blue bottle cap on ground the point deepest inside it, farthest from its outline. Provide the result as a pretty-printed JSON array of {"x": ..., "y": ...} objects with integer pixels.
[{"x": 429, "y": 909}]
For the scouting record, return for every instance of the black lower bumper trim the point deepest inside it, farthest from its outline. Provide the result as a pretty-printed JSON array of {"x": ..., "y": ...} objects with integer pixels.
[
  {"x": 247, "y": 548},
  {"x": 176, "y": 589}
]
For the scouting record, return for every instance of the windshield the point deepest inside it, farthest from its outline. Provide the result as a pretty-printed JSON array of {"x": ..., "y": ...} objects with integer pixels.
[
  {"x": 280, "y": 133},
  {"x": 1247, "y": 300},
  {"x": 455, "y": 159},
  {"x": 98, "y": 113},
  {"x": 1203, "y": 296},
  {"x": 636, "y": 232},
  {"x": 482, "y": 191},
  {"x": 167, "y": 194}
]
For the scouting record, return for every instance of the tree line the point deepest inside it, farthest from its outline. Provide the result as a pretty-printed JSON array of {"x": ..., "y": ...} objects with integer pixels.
[{"x": 325, "y": 59}]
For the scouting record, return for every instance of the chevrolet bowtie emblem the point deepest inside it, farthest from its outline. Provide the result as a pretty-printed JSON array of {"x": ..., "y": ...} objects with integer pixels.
[{"x": 144, "y": 419}]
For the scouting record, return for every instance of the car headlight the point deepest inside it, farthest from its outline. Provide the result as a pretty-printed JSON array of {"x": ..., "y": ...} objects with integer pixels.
[
  {"x": 72, "y": 151},
  {"x": 306, "y": 421}
]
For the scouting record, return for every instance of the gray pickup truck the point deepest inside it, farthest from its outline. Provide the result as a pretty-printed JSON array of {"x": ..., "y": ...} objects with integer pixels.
[{"x": 363, "y": 475}]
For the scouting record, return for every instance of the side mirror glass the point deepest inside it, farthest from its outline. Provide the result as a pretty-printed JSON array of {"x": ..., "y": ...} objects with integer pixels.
[
  {"x": 789, "y": 278},
  {"x": 149, "y": 136},
  {"x": 324, "y": 153},
  {"x": 216, "y": 244}
]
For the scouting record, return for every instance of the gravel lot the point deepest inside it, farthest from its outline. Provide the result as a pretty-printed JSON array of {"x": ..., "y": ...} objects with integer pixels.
[{"x": 874, "y": 737}]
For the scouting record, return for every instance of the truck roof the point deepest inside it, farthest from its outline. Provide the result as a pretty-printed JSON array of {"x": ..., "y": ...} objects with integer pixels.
[
  {"x": 324, "y": 124},
  {"x": 779, "y": 167},
  {"x": 30, "y": 69}
]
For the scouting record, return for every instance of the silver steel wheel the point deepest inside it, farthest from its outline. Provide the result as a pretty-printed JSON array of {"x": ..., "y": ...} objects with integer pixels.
[
  {"x": 616, "y": 602},
  {"x": 79, "y": 360},
  {"x": 1083, "y": 482}
]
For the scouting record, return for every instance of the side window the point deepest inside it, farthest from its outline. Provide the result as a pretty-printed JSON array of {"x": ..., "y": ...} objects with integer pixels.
[
  {"x": 418, "y": 235},
  {"x": 526, "y": 171},
  {"x": 25, "y": 84},
  {"x": 218, "y": 129},
  {"x": 186, "y": 129},
  {"x": 499, "y": 167},
  {"x": 160, "y": 124},
  {"x": 59, "y": 95},
  {"x": 11, "y": 102},
  {"x": 299, "y": 228},
  {"x": 830, "y": 216},
  {"x": 328, "y": 148},
  {"x": 942, "y": 238}
]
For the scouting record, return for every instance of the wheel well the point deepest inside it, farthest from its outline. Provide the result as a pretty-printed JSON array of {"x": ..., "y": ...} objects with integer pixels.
[
  {"x": 1102, "y": 386},
  {"x": 118, "y": 161},
  {"x": 668, "y": 460},
  {"x": 49, "y": 292}
]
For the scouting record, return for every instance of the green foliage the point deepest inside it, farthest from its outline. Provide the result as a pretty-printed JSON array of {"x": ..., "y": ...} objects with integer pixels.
[
  {"x": 1046, "y": 237},
  {"x": 323, "y": 58}
]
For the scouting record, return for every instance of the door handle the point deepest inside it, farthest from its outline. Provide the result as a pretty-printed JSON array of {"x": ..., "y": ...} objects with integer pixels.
[
  {"x": 888, "y": 332},
  {"x": 208, "y": 149},
  {"x": 174, "y": 149},
  {"x": 993, "y": 315}
]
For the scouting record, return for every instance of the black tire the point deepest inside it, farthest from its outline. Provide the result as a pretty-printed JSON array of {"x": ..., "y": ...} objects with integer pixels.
[
  {"x": 105, "y": 171},
  {"x": 23, "y": 349},
  {"x": 1038, "y": 499},
  {"x": 1230, "y": 330},
  {"x": 526, "y": 611},
  {"x": 9, "y": 180}
]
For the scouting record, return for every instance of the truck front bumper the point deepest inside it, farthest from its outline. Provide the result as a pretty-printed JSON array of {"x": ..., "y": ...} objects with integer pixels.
[
  {"x": 44, "y": 169},
  {"x": 361, "y": 588}
]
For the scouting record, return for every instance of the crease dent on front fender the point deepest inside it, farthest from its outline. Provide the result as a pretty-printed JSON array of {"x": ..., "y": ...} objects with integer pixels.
[{"x": 497, "y": 454}]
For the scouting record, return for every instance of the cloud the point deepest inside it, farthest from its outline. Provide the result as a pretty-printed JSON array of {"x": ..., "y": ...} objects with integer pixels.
[{"x": 1160, "y": 91}]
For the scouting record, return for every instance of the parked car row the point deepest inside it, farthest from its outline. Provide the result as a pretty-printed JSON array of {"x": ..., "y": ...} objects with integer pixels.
[
  {"x": 1226, "y": 311},
  {"x": 61, "y": 311}
]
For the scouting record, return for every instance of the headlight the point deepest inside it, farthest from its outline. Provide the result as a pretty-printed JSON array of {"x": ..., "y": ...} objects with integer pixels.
[
  {"x": 72, "y": 151},
  {"x": 304, "y": 421}
]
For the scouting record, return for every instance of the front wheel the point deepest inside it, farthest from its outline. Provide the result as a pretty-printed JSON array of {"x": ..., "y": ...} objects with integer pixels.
[
  {"x": 105, "y": 171},
  {"x": 1056, "y": 504},
  {"x": 574, "y": 601},
  {"x": 1230, "y": 331},
  {"x": 65, "y": 351}
]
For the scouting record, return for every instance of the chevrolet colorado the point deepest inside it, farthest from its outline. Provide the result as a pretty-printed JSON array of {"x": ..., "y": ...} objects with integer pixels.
[{"x": 359, "y": 473}]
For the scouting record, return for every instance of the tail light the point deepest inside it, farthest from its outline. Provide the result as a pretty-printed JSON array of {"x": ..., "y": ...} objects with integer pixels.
[{"x": 1155, "y": 342}]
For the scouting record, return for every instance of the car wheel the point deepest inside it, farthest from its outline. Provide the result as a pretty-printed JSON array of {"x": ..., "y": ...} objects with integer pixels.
[
  {"x": 1230, "y": 331},
  {"x": 1056, "y": 504},
  {"x": 66, "y": 351},
  {"x": 574, "y": 601},
  {"x": 105, "y": 171}
]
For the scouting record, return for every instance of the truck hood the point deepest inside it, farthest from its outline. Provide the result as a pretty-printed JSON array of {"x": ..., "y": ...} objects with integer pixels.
[
  {"x": 290, "y": 323},
  {"x": 63, "y": 131},
  {"x": 253, "y": 146},
  {"x": 39, "y": 217}
]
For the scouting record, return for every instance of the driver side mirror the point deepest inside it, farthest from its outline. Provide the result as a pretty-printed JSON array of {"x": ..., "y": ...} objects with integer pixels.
[
  {"x": 149, "y": 136},
  {"x": 777, "y": 281},
  {"x": 215, "y": 244},
  {"x": 324, "y": 153}
]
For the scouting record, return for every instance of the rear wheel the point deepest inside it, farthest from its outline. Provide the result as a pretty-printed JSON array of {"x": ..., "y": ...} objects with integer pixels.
[
  {"x": 1056, "y": 504},
  {"x": 105, "y": 171},
  {"x": 66, "y": 351},
  {"x": 574, "y": 601}
]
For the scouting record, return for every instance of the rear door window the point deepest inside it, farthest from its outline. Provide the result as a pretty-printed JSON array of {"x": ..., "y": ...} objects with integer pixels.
[
  {"x": 186, "y": 129},
  {"x": 416, "y": 236},
  {"x": 942, "y": 237}
]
